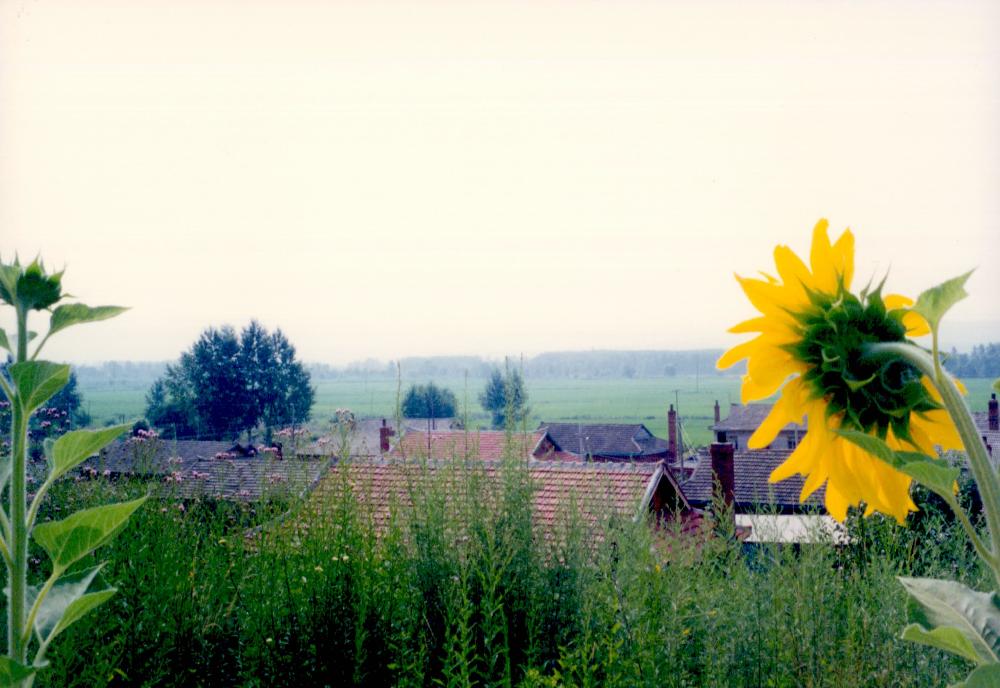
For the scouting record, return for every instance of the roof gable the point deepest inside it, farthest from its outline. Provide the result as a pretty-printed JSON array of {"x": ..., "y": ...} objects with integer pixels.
[{"x": 624, "y": 440}]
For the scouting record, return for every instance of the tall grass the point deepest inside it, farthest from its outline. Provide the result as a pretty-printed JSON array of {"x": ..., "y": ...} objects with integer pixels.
[{"x": 459, "y": 589}]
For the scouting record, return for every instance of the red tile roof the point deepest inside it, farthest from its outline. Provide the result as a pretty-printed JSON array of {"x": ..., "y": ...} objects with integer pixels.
[
  {"x": 485, "y": 445},
  {"x": 589, "y": 492}
]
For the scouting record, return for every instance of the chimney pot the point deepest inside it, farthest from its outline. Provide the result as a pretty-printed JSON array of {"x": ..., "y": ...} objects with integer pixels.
[
  {"x": 724, "y": 471},
  {"x": 718, "y": 413},
  {"x": 672, "y": 432},
  {"x": 384, "y": 433},
  {"x": 994, "y": 414}
]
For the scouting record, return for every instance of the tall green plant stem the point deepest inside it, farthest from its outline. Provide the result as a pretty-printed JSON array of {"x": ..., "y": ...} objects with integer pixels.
[
  {"x": 982, "y": 470},
  {"x": 17, "y": 567}
]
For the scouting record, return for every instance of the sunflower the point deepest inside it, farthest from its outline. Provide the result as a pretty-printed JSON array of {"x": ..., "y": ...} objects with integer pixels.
[{"x": 812, "y": 345}]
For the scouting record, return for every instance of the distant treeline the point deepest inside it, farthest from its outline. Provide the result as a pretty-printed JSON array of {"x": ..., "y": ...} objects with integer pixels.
[
  {"x": 559, "y": 364},
  {"x": 982, "y": 361},
  {"x": 120, "y": 374}
]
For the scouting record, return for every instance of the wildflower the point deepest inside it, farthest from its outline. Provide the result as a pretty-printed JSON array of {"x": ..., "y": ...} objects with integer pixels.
[
  {"x": 318, "y": 569},
  {"x": 812, "y": 345}
]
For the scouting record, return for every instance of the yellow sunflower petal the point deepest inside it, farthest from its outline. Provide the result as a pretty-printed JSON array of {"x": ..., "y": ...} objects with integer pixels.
[
  {"x": 914, "y": 323},
  {"x": 770, "y": 299},
  {"x": 786, "y": 410},
  {"x": 821, "y": 259},
  {"x": 843, "y": 256},
  {"x": 738, "y": 353},
  {"x": 836, "y": 503}
]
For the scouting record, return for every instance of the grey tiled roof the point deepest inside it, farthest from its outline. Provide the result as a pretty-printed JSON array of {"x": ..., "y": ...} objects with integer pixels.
[
  {"x": 752, "y": 470},
  {"x": 748, "y": 418},
  {"x": 242, "y": 479},
  {"x": 135, "y": 456},
  {"x": 189, "y": 468},
  {"x": 605, "y": 439},
  {"x": 363, "y": 441}
]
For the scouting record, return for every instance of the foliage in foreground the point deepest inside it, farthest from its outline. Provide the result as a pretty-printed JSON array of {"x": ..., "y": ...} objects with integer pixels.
[{"x": 453, "y": 594}]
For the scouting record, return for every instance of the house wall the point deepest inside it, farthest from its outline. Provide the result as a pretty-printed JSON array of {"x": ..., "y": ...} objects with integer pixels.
[{"x": 786, "y": 439}]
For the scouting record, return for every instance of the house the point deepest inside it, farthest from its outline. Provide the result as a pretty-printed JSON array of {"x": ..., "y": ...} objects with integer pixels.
[
  {"x": 602, "y": 442},
  {"x": 752, "y": 491},
  {"x": 591, "y": 493},
  {"x": 743, "y": 421}
]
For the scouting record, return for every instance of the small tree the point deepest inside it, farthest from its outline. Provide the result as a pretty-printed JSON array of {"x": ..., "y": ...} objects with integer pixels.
[
  {"x": 505, "y": 398},
  {"x": 429, "y": 401}
]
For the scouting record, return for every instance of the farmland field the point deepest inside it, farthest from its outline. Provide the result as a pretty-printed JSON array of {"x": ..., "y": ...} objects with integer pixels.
[{"x": 621, "y": 400}]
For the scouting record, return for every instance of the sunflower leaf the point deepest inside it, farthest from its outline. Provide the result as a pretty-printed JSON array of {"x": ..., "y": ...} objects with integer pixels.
[
  {"x": 871, "y": 444},
  {"x": 936, "y": 604},
  {"x": 935, "y": 474},
  {"x": 77, "y": 313},
  {"x": 936, "y": 301},
  {"x": 943, "y": 638},
  {"x": 985, "y": 676},
  {"x": 4, "y": 342}
]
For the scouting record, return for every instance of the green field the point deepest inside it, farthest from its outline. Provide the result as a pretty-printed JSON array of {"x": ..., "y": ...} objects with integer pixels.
[{"x": 617, "y": 400}]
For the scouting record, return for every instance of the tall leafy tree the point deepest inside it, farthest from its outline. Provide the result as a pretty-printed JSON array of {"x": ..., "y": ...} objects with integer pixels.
[
  {"x": 290, "y": 398},
  {"x": 227, "y": 384},
  {"x": 505, "y": 398},
  {"x": 429, "y": 401}
]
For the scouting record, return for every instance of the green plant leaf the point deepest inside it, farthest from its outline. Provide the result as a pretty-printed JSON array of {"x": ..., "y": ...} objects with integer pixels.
[
  {"x": 68, "y": 600},
  {"x": 937, "y": 474},
  {"x": 985, "y": 676},
  {"x": 73, "y": 448},
  {"x": 871, "y": 444},
  {"x": 74, "y": 537},
  {"x": 936, "y": 604},
  {"x": 70, "y": 314},
  {"x": 4, "y": 342},
  {"x": 936, "y": 301},
  {"x": 11, "y": 672},
  {"x": 37, "y": 381},
  {"x": 944, "y": 638}
]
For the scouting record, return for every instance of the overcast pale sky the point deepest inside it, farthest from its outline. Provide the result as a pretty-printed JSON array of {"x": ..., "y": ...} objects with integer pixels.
[{"x": 387, "y": 179}]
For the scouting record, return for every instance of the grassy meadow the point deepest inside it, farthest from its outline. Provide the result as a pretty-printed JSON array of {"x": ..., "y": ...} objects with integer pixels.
[{"x": 620, "y": 400}]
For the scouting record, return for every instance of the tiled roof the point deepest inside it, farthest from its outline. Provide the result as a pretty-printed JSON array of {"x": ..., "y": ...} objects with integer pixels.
[
  {"x": 242, "y": 479},
  {"x": 136, "y": 456},
  {"x": 982, "y": 419},
  {"x": 624, "y": 440},
  {"x": 748, "y": 418},
  {"x": 591, "y": 492},
  {"x": 189, "y": 468},
  {"x": 363, "y": 440},
  {"x": 992, "y": 441},
  {"x": 484, "y": 445},
  {"x": 751, "y": 472}
]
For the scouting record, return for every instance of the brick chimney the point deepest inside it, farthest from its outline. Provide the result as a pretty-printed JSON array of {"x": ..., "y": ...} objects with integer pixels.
[
  {"x": 994, "y": 413},
  {"x": 384, "y": 433},
  {"x": 724, "y": 470},
  {"x": 718, "y": 413},
  {"x": 672, "y": 432}
]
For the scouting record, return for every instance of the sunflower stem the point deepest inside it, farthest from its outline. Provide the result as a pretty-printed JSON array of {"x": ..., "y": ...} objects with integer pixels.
[{"x": 979, "y": 462}]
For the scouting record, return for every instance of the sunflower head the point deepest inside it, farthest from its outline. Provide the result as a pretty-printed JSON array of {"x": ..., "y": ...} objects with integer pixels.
[{"x": 814, "y": 344}]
